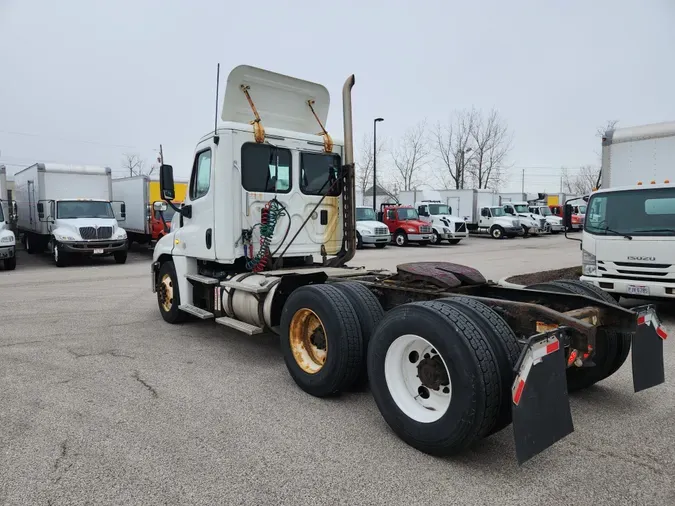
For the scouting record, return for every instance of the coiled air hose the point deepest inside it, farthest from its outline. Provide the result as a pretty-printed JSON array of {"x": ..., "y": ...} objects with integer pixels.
[{"x": 269, "y": 216}]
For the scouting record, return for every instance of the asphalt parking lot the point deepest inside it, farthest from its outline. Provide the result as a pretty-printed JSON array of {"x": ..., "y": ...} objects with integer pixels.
[{"x": 101, "y": 402}]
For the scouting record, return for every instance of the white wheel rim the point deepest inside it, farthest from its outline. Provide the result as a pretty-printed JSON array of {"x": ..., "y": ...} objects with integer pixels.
[
  {"x": 423, "y": 403},
  {"x": 497, "y": 232},
  {"x": 399, "y": 239},
  {"x": 434, "y": 238},
  {"x": 56, "y": 253}
]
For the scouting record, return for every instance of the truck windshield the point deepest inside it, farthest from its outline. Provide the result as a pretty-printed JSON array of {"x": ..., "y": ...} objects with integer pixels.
[
  {"x": 498, "y": 211},
  {"x": 365, "y": 214},
  {"x": 439, "y": 209},
  {"x": 580, "y": 209},
  {"x": 633, "y": 212},
  {"x": 69, "y": 209},
  {"x": 318, "y": 171},
  {"x": 544, "y": 211},
  {"x": 407, "y": 214},
  {"x": 522, "y": 208}
]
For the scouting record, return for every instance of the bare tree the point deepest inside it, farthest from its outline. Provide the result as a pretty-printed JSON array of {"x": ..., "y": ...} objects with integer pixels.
[
  {"x": 581, "y": 183},
  {"x": 135, "y": 165},
  {"x": 452, "y": 143},
  {"x": 610, "y": 124},
  {"x": 364, "y": 165},
  {"x": 411, "y": 156},
  {"x": 491, "y": 143}
]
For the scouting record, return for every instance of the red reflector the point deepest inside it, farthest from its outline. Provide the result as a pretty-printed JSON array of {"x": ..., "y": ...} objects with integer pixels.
[
  {"x": 661, "y": 332},
  {"x": 572, "y": 357},
  {"x": 554, "y": 346},
  {"x": 519, "y": 392},
  {"x": 642, "y": 319}
]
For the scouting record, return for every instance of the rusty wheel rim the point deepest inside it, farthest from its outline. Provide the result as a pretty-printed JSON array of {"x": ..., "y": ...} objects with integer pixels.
[
  {"x": 308, "y": 341},
  {"x": 166, "y": 292}
]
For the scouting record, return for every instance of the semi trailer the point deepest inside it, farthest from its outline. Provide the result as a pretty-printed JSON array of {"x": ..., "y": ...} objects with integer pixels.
[
  {"x": 7, "y": 238},
  {"x": 68, "y": 210},
  {"x": 148, "y": 217},
  {"x": 628, "y": 240},
  {"x": 263, "y": 243}
]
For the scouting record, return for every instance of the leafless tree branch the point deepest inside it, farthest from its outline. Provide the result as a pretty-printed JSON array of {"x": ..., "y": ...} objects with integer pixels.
[
  {"x": 410, "y": 157},
  {"x": 452, "y": 143},
  {"x": 135, "y": 165}
]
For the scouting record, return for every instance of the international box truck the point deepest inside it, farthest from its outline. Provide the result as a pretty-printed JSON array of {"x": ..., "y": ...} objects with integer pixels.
[{"x": 68, "y": 210}]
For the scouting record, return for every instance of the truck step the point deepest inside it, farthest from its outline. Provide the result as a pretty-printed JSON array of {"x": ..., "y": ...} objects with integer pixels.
[
  {"x": 204, "y": 280},
  {"x": 247, "y": 288},
  {"x": 246, "y": 328},
  {"x": 196, "y": 311}
]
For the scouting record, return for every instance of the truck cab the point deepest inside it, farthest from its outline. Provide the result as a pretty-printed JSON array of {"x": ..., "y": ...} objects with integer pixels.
[
  {"x": 7, "y": 239},
  {"x": 405, "y": 225},
  {"x": 499, "y": 223},
  {"x": 554, "y": 224},
  {"x": 445, "y": 226},
  {"x": 577, "y": 215},
  {"x": 369, "y": 230},
  {"x": 531, "y": 224}
]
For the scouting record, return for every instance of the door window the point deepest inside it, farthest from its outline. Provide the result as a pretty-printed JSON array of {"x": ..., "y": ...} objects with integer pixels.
[{"x": 201, "y": 175}]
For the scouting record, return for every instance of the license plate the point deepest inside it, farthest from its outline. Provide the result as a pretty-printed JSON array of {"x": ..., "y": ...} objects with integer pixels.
[
  {"x": 98, "y": 251},
  {"x": 638, "y": 290}
]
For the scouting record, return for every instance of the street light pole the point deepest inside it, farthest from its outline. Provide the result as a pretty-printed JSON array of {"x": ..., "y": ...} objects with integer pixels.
[{"x": 375, "y": 122}]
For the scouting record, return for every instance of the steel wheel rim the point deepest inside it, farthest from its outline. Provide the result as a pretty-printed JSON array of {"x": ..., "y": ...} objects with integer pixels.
[
  {"x": 308, "y": 341},
  {"x": 418, "y": 378},
  {"x": 496, "y": 233},
  {"x": 434, "y": 238},
  {"x": 56, "y": 253},
  {"x": 399, "y": 239},
  {"x": 166, "y": 292}
]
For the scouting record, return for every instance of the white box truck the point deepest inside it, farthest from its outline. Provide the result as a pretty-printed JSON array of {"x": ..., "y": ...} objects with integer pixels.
[
  {"x": 68, "y": 210},
  {"x": 7, "y": 239},
  {"x": 433, "y": 209},
  {"x": 628, "y": 241}
]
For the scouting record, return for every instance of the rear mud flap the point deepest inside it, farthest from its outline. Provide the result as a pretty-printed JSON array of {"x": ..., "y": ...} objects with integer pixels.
[
  {"x": 540, "y": 408},
  {"x": 648, "y": 368}
]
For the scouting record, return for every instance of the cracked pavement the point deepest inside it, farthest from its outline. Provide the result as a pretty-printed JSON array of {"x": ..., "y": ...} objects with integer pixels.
[{"x": 101, "y": 402}]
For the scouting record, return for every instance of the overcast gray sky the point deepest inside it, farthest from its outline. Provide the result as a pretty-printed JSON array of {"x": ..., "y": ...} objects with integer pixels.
[{"x": 85, "y": 81}]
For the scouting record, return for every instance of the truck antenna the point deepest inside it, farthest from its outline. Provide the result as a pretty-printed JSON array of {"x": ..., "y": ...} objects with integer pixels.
[{"x": 216, "y": 139}]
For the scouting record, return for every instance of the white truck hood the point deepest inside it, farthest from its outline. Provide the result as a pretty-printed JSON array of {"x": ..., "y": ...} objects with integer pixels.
[
  {"x": 6, "y": 235},
  {"x": 70, "y": 227},
  {"x": 639, "y": 250},
  {"x": 370, "y": 225},
  {"x": 446, "y": 219}
]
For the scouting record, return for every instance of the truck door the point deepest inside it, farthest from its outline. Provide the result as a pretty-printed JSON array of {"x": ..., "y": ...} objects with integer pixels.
[
  {"x": 195, "y": 238},
  {"x": 485, "y": 217}
]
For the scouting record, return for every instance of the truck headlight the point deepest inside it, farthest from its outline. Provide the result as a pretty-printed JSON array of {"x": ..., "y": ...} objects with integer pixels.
[
  {"x": 446, "y": 230},
  {"x": 410, "y": 229},
  {"x": 8, "y": 239},
  {"x": 122, "y": 234},
  {"x": 64, "y": 237},
  {"x": 588, "y": 263}
]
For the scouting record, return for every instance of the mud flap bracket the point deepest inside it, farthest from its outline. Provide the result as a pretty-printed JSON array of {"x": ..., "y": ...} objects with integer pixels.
[
  {"x": 540, "y": 405},
  {"x": 647, "y": 355}
]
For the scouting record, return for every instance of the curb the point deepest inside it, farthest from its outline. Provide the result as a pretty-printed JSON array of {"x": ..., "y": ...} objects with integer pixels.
[{"x": 506, "y": 284}]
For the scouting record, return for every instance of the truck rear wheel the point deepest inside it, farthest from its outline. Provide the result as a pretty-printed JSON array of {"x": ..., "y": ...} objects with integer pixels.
[
  {"x": 168, "y": 295},
  {"x": 369, "y": 313},
  {"x": 321, "y": 340},
  {"x": 28, "y": 243},
  {"x": 434, "y": 377},
  {"x": 606, "y": 353},
  {"x": 504, "y": 344}
]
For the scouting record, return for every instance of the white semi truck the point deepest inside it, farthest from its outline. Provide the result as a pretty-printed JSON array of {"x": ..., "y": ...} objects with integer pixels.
[
  {"x": 7, "y": 239},
  {"x": 68, "y": 210},
  {"x": 262, "y": 243},
  {"x": 445, "y": 224},
  {"x": 628, "y": 242},
  {"x": 369, "y": 230}
]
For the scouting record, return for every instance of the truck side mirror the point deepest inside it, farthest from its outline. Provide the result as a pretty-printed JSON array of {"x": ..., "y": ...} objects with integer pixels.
[
  {"x": 166, "y": 182},
  {"x": 123, "y": 211},
  {"x": 567, "y": 216},
  {"x": 41, "y": 211}
]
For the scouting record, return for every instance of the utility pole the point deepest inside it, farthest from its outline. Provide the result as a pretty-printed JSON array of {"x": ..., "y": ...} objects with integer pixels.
[
  {"x": 375, "y": 122},
  {"x": 522, "y": 186},
  {"x": 561, "y": 178},
  {"x": 161, "y": 155}
]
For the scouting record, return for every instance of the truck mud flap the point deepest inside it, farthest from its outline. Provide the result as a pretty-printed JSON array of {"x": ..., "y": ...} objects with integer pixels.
[
  {"x": 648, "y": 368},
  {"x": 540, "y": 404}
]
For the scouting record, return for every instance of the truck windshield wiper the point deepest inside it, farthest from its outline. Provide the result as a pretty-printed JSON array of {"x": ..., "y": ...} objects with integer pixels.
[
  {"x": 607, "y": 229},
  {"x": 671, "y": 230}
]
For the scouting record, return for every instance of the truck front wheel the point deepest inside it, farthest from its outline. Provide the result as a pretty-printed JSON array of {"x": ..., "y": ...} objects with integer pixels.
[
  {"x": 10, "y": 264},
  {"x": 168, "y": 295},
  {"x": 497, "y": 232},
  {"x": 60, "y": 257},
  {"x": 400, "y": 238},
  {"x": 120, "y": 256}
]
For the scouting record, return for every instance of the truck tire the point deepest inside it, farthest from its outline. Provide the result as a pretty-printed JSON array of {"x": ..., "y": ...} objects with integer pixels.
[
  {"x": 321, "y": 340},
  {"x": 120, "y": 256},
  {"x": 497, "y": 232},
  {"x": 434, "y": 377},
  {"x": 60, "y": 257},
  {"x": 423, "y": 243},
  {"x": 435, "y": 239},
  {"x": 504, "y": 344},
  {"x": 359, "y": 241},
  {"x": 369, "y": 313},
  {"x": 10, "y": 263},
  {"x": 380, "y": 245},
  {"x": 400, "y": 238},
  {"x": 168, "y": 294},
  {"x": 454, "y": 241},
  {"x": 28, "y": 244},
  {"x": 606, "y": 351},
  {"x": 623, "y": 339}
]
